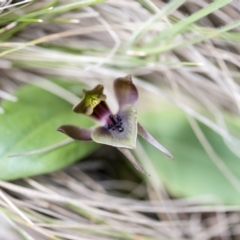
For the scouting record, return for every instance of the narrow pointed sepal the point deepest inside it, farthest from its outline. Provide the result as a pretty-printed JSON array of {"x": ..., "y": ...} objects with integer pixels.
[
  {"x": 90, "y": 100},
  {"x": 147, "y": 136},
  {"x": 120, "y": 130},
  {"x": 126, "y": 92},
  {"x": 81, "y": 134},
  {"x": 131, "y": 158}
]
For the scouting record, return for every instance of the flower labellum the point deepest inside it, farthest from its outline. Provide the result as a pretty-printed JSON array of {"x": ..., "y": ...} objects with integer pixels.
[{"x": 119, "y": 130}]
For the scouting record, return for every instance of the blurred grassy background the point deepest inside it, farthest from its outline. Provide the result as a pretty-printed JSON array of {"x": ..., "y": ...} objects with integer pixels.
[{"x": 184, "y": 59}]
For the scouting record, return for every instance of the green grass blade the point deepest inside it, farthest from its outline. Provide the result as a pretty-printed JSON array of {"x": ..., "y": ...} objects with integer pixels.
[
  {"x": 172, "y": 6},
  {"x": 169, "y": 47},
  {"x": 181, "y": 26},
  {"x": 64, "y": 8}
]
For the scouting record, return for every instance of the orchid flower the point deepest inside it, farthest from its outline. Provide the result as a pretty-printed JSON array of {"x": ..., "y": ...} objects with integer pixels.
[{"x": 119, "y": 130}]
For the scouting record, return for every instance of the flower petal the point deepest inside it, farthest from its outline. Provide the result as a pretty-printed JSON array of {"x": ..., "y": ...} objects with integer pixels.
[
  {"x": 81, "y": 134},
  {"x": 132, "y": 159},
  {"x": 90, "y": 100},
  {"x": 101, "y": 112},
  {"x": 126, "y": 92},
  {"x": 119, "y": 136},
  {"x": 146, "y": 135}
]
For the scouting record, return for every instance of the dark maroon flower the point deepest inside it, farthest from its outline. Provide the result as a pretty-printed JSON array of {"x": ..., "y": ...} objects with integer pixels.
[{"x": 119, "y": 130}]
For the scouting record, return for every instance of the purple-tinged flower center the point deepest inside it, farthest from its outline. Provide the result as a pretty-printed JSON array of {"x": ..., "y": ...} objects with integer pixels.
[
  {"x": 101, "y": 111},
  {"x": 115, "y": 122}
]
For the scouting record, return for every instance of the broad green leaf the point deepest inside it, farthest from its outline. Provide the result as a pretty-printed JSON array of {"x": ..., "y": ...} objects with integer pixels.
[
  {"x": 192, "y": 173},
  {"x": 31, "y": 123}
]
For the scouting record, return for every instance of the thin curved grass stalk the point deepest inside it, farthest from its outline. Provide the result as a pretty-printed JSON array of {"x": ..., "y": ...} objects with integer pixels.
[{"x": 43, "y": 150}]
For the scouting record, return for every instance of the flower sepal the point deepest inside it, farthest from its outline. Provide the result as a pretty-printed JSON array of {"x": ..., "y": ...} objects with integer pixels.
[
  {"x": 147, "y": 136},
  {"x": 77, "y": 133}
]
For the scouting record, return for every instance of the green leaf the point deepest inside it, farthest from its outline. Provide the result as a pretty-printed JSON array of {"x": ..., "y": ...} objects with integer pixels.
[
  {"x": 31, "y": 123},
  {"x": 193, "y": 173}
]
